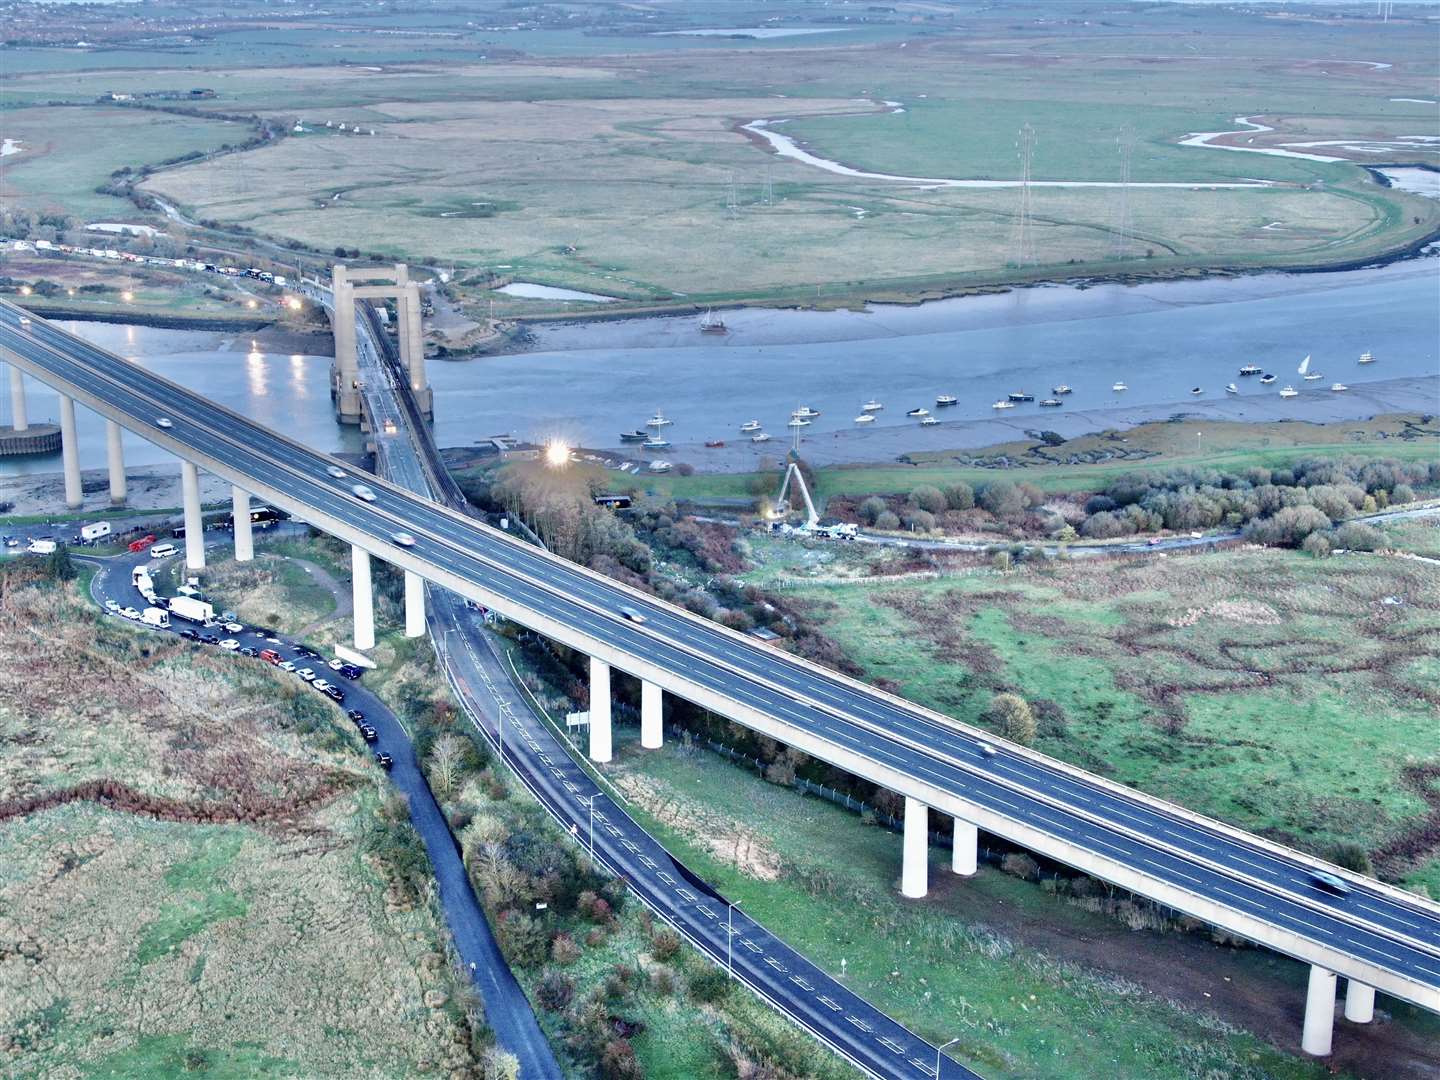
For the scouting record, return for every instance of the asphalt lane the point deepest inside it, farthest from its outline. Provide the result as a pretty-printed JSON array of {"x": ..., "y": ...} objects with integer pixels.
[
  {"x": 1191, "y": 855},
  {"x": 507, "y": 1010}
]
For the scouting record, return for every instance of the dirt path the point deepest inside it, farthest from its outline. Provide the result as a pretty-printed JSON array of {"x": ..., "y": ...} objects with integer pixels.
[{"x": 338, "y": 592}]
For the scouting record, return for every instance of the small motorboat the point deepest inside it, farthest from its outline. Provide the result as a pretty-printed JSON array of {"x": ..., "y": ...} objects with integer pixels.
[
  {"x": 1118, "y": 386},
  {"x": 749, "y": 426},
  {"x": 946, "y": 399},
  {"x": 1197, "y": 390},
  {"x": 1061, "y": 389},
  {"x": 1339, "y": 387},
  {"x": 1231, "y": 388},
  {"x": 1021, "y": 396},
  {"x": 929, "y": 421},
  {"x": 760, "y": 437},
  {"x": 1289, "y": 391},
  {"x": 1266, "y": 379},
  {"x": 871, "y": 406},
  {"x": 1250, "y": 369},
  {"x": 1313, "y": 376},
  {"x": 804, "y": 412},
  {"x": 658, "y": 420},
  {"x": 1003, "y": 405},
  {"x": 865, "y": 418},
  {"x": 1366, "y": 358},
  {"x": 1051, "y": 403},
  {"x": 634, "y": 436},
  {"x": 798, "y": 421},
  {"x": 714, "y": 444},
  {"x": 918, "y": 412}
]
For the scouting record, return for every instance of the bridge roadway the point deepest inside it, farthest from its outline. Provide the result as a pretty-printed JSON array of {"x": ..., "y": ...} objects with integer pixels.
[{"x": 1379, "y": 936}]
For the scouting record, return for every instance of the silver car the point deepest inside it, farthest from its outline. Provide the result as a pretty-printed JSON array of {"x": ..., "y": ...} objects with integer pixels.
[{"x": 363, "y": 493}]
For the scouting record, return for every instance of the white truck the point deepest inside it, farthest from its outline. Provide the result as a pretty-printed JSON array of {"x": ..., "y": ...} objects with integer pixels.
[
  {"x": 154, "y": 616},
  {"x": 187, "y": 607}
]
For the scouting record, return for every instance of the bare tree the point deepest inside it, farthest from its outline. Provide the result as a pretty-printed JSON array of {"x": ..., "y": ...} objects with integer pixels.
[{"x": 446, "y": 756}]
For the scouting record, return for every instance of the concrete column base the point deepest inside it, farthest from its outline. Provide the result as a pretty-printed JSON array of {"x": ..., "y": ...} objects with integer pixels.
[
  {"x": 362, "y": 598},
  {"x": 1359, "y": 1002},
  {"x": 600, "y": 739},
  {"x": 915, "y": 872},
  {"x": 1319, "y": 1013},
  {"x": 652, "y": 732},
  {"x": 414, "y": 605},
  {"x": 194, "y": 523},
  {"x": 70, "y": 454},
  {"x": 240, "y": 515}
]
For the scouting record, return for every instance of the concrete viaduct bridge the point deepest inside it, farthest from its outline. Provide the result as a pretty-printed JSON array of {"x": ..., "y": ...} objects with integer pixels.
[{"x": 1376, "y": 937}]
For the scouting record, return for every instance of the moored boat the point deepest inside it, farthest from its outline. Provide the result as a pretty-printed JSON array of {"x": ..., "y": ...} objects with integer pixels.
[
  {"x": 656, "y": 443},
  {"x": 1289, "y": 391},
  {"x": 1231, "y": 388},
  {"x": 1338, "y": 387},
  {"x": 798, "y": 421},
  {"x": 871, "y": 406},
  {"x": 634, "y": 436},
  {"x": 1003, "y": 405},
  {"x": 804, "y": 412},
  {"x": 1366, "y": 358},
  {"x": 1117, "y": 386},
  {"x": 1051, "y": 403},
  {"x": 865, "y": 418},
  {"x": 760, "y": 437},
  {"x": 918, "y": 412},
  {"x": 946, "y": 399},
  {"x": 713, "y": 324},
  {"x": 658, "y": 420},
  {"x": 1021, "y": 395},
  {"x": 1266, "y": 379},
  {"x": 1061, "y": 389},
  {"x": 1250, "y": 369},
  {"x": 1197, "y": 390},
  {"x": 750, "y": 425},
  {"x": 929, "y": 421}
]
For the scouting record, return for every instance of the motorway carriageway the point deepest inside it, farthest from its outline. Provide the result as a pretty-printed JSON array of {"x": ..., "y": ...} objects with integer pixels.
[{"x": 1194, "y": 855}]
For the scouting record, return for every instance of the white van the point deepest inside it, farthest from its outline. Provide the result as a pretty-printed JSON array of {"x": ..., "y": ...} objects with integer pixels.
[
  {"x": 163, "y": 551},
  {"x": 41, "y": 547}
]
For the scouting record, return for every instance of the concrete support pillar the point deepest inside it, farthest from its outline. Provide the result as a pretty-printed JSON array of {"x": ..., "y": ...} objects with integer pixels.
[
  {"x": 652, "y": 700},
  {"x": 240, "y": 514},
  {"x": 599, "y": 710},
  {"x": 17, "y": 399},
  {"x": 347, "y": 366},
  {"x": 915, "y": 874},
  {"x": 194, "y": 523},
  {"x": 963, "y": 854},
  {"x": 1319, "y": 1013},
  {"x": 414, "y": 331},
  {"x": 402, "y": 324},
  {"x": 70, "y": 453},
  {"x": 414, "y": 605},
  {"x": 362, "y": 598},
  {"x": 1359, "y": 1002},
  {"x": 115, "y": 458}
]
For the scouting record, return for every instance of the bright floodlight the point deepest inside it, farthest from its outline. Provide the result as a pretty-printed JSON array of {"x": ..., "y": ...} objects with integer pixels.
[{"x": 556, "y": 454}]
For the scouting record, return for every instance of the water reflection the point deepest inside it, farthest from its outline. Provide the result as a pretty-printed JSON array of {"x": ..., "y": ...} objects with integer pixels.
[
  {"x": 256, "y": 374},
  {"x": 298, "y": 386}
]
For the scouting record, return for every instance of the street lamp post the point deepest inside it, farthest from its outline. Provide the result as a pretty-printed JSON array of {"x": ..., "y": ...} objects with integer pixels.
[
  {"x": 730, "y": 936},
  {"x": 591, "y": 803},
  {"x": 940, "y": 1050}
]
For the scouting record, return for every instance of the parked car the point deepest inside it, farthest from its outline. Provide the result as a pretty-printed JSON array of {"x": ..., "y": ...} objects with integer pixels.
[
  {"x": 305, "y": 673},
  {"x": 334, "y": 693},
  {"x": 270, "y": 656},
  {"x": 209, "y": 639},
  {"x": 350, "y": 671},
  {"x": 368, "y": 733},
  {"x": 383, "y": 759},
  {"x": 190, "y": 635},
  {"x": 230, "y": 644},
  {"x": 232, "y": 627},
  {"x": 355, "y": 715},
  {"x": 130, "y": 612},
  {"x": 249, "y": 651},
  {"x": 336, "y": 664},
  {"x": 286, "y": 665}
]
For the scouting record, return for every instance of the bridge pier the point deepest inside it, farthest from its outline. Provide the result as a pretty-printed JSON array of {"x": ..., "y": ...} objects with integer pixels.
[
  {"x": 362, "y": 598},
  {"x": 414, "y": 605},
  {"x": 652, "y": 704},
  {"x": 17, "y": 399},
  {"x": 194, "y": 522},
  {"x": 1319, "y": 1013},
  {"x": 346, "y": 374},
  {"x": 964, "y": 849},
  {"x": 70, "y": 453},
  {"x": 240, "y": 516},
  {"x": 115, "y": 459},
  {"x": 1359, "y": 1002},
  {"x": 600, "y": 741},
  {"x": 915, "y": 871}
]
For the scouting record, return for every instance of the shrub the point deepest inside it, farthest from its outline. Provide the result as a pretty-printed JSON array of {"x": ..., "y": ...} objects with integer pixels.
[
  {"x": 887, "y": 521},
  {"x": 521, "y": 938},
  {"x": 1013, "y": 716},
  {"x": 960, "y": 496},
  {"x": 920, "y": 520},
  {"x": 1352, "y": 857},
  {"x": 930, "y": 499},
  {"x": 1316, "y": 544},
  {"x": 709, "y": 984},
  {"x": 665, "y": 945},
  {"x": 1020, "y": 865},
  {"x": 1403, "y": 493},
  {"x": 618, "y": 1061},
  {"x": 555, "y": 991},
  {"x": 871, "y": 509},
  {"x": 1357, "y": 536},
  {"x": 1002, "y": 498},
  {"x": 563, "y": 949}
]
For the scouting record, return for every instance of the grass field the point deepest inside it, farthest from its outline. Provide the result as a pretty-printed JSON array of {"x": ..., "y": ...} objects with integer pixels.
[
  {"x": 220, "y": 916},
  {"x": 1268, "y": 689},
  {"x": 961, "y": 964},
  {"x": 605, "y": 161}
]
